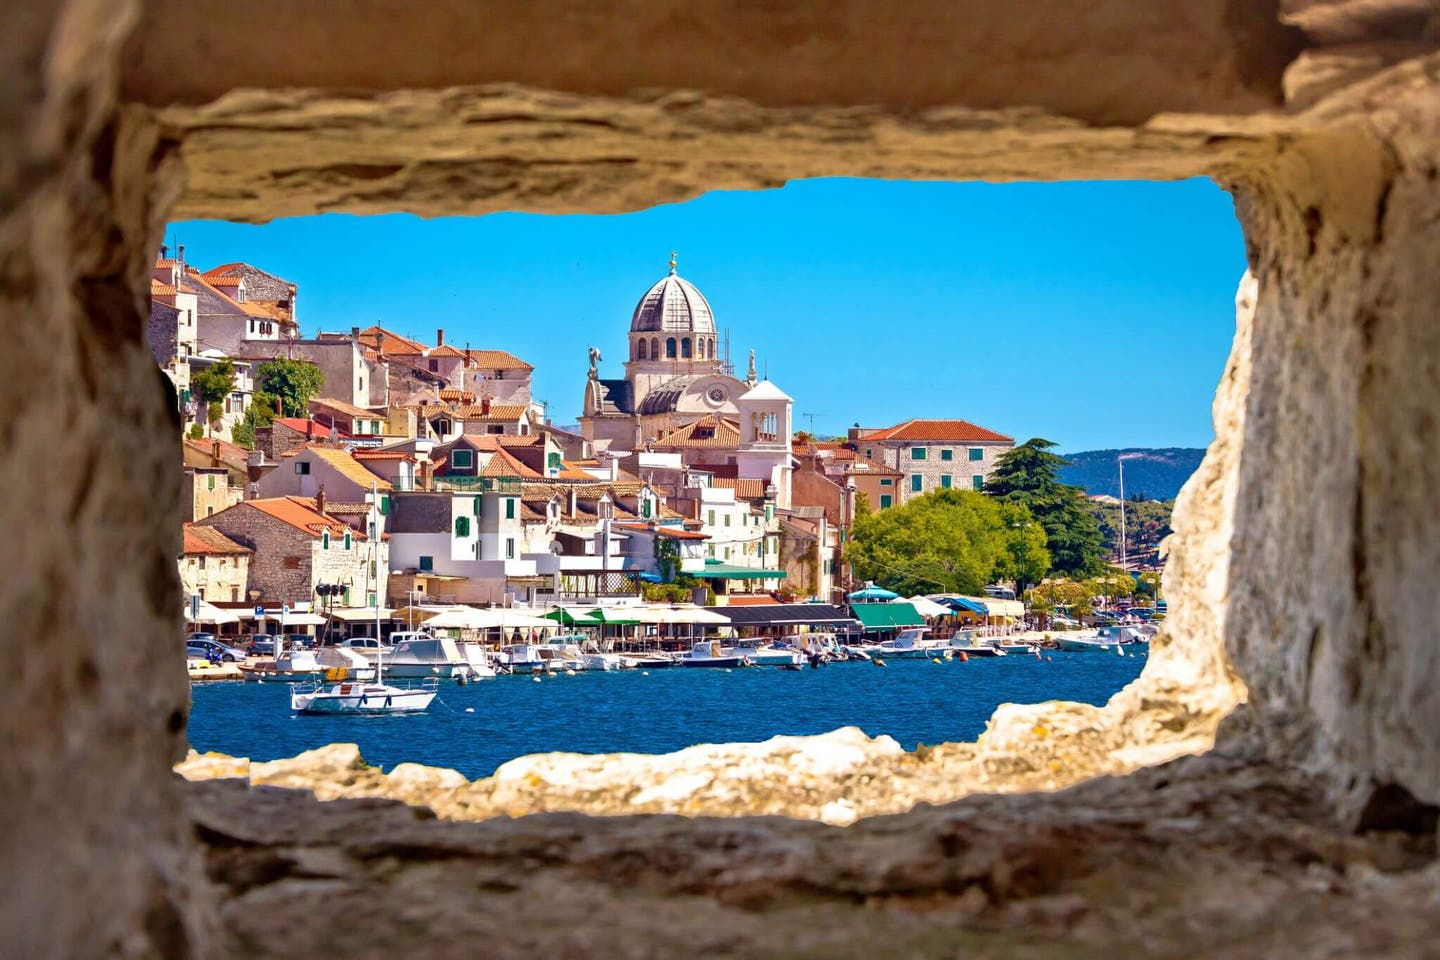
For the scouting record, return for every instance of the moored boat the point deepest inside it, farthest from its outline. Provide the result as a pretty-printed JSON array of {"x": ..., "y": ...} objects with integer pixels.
[{"x": 707, "y": 653}]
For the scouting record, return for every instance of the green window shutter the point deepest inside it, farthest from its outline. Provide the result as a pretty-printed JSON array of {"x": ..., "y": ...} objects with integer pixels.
[
  {"x": 947, "y": 454},
  {"x": 727, "y": 519},
  {"x": 710, "y": 515},
  {"x": 325, "y": 540},
  {"x": 509, "y": 508},
  {"x": 885, "y": 500},
  {"x": 977, "y": 453},
  {"x": 479, "y": 506},
  {"x": 945, "y": 480},
  {"x": 462, "y": 526},
  {"x": 427, "y": 563},
  {"x": 211, "y": 479},
  {"x": 917, "y": 453},
  {"x": 384, "y": 509},
  {"x": 917, "y": 482},
  {"x": 347, "y": 539},
  {"x": 509, "y": 549},
  {"x": 645, "y": 507},
  {"x": 977, "y": 482}
]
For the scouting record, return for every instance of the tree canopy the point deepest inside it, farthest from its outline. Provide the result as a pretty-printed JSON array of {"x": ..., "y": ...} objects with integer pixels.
[
  {"x": 295, "y": 382},
  {"x": 948, "y": 541},
  {"x": 1028, "y": 476}
]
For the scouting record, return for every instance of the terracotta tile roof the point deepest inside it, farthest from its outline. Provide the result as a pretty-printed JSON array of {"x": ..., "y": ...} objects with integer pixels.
[
  {"x": 231, "y": 455},
  {"x": 745, "y": 489},
  {"x": 158, "y": 289},
  {"x": 218, "y": 281},
  {"x": 225, "y": 268},
  {"x": 208, "y": 540},
  {"x": 444, "y": 350},
  {"x": 348, "y": 409},
  {"x": 390, "y": 343},
  {"x": 455, "y": 395},
  {"x": 708, "y": 431},
  {"x": 506, "y": 412},
  {"x": 516, "y": 440},
  {"x": 677, "y": 533},
  {"x": 381, "y": 455},
  {"x": 346, "y": 509},
  {"x": 247, "y": 308},
  {"x": 344, "y": 464},
  {"x": 755, "y": 601},
  {"x": 872, "y": 468},
  {"x": 496, "y": 360},
  {"x": 308, "y": 427},
  {"x": 568, "y": 471},
  {"x": 958, "y": 431},
  {"x": 504, "y": 464},
  {"x": 300, "y": 513}
]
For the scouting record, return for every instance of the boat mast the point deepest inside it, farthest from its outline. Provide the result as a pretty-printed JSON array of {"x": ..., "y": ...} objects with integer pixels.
[
  {"x": 1123, "y": 564},
  {"x": 375, "y": 565}
]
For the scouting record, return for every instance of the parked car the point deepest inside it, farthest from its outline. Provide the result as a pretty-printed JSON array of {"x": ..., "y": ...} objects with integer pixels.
[
  {"x": 262, "y": 645},
  {"x": 204, "y": 649},
  {"x": 1064, "y": 623},
  {"x": 200, "y": 636}
]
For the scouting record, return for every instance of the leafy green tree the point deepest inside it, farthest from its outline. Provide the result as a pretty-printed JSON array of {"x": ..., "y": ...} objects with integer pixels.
[
  {"x": 951, "y": 541},
  {"x": 862, "y": 505},
  {"x": 1028, "y": 475},
  {"x": 260, "y": 413},
  {"x": 1027, "y": 557},
  {"x": 197, "y": 432},
  {"x": 295, "y": 382}
]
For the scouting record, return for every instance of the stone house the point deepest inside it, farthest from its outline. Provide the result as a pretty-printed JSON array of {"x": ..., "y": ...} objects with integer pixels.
[
  {"x": 348, "y": 419},
  {"x": 264, "y": 290},
  {"x": 214, "y": 452},
  {"x": 297, "y": 546},
  {"x": 308, "y": 471},
  {"x": 227, "y": 320},
  {"x": 287, "y": 434},
  {"x": 214, "y": 566},
  {"x": 171, "y": 332},
  {"x": 352, "y": 372},
  {"x": 503, "y": 377},
  {"x": 932, "y": 454},
  {"x": 205, "y": 491},
  {"x": 809, "y": 548}
]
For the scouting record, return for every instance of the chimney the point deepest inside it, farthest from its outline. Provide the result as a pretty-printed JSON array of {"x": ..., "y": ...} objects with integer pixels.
[
  {"x": 320, "y": 499},
  {"x": 180, "y": 252},
  {"x": 164, "y": 251},
  {"x": 354, "y": 333},
  {"x": 215, "y": 451},
  {"x": 485, "y": 405},
  {"x": 440, "y": 337}
]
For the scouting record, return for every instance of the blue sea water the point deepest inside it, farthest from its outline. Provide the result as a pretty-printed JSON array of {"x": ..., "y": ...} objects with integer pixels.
[{"x": 914, "y": 701}]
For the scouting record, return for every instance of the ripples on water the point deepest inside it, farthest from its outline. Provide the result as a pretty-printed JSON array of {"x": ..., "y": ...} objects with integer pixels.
[{"x": 913, "y": 701}]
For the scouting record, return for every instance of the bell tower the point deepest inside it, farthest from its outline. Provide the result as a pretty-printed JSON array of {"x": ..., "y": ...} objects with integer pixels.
[{"x": 765, "y": 431}]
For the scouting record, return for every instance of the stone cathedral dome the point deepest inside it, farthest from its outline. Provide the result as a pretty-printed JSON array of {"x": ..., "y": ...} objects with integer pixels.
[{"x": 673, "y": 305}]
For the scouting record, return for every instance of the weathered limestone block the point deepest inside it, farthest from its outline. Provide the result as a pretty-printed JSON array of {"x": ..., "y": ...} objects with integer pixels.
[{"x": 95, "y": 850}]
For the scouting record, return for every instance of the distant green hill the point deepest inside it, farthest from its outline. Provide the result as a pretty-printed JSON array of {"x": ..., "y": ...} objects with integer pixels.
[{"x": 1155, "y": 473}]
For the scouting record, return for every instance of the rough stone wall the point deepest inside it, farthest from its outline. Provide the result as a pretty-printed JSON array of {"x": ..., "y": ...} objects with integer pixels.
[
  {"x": 1333, "y": 607},
  {"x": 97, "y": 856},
  {"x": 281, "y": 565}
]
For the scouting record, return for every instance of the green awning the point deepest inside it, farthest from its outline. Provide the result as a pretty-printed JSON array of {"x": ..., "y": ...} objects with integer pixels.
[
  {"x": 714, "y": 570},
  {"x": 614, "y": 618},
  {"x": 565, "y": 617},
  {"x": 886, "y": 616}
]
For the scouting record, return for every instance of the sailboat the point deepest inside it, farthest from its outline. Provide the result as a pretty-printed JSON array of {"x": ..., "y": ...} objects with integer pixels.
[{"x": 376, "y": 697}]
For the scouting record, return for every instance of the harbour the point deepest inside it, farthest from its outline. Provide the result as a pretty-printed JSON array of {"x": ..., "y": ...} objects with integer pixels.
[{"x": 476, "y": 727}]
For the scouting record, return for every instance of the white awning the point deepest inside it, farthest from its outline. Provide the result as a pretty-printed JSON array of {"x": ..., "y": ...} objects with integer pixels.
[
  {"x": 927, "y": 608},
  {"x": 681, "y": 614},
  {"x": 360, "y": 614},
  {"x": 209, "y": 613}
]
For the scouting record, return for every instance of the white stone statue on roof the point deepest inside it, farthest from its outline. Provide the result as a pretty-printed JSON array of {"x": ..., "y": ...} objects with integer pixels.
[
  {"x": 750, "y": 377},
  {"x": 595, "y": 359}
]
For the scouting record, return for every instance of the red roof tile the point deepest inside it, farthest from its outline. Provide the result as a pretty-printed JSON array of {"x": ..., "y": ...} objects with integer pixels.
[
  {"x": 390, "y": 343},
  {"x": 959, "y": 431},
  {"x": 300, "y": 513},
  {"x": 496, "y": 360},
  {"x": 308, "y": 427},
  {"x": 207, "y": 540}
]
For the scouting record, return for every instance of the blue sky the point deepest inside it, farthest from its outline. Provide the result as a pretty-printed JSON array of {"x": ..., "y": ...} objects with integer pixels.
[{"x": 1094, "y": 314}]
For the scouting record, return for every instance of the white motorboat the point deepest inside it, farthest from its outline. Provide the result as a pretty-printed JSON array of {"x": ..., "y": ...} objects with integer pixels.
[
  {"x": 964, "y": 642},
  {"x": 421, "y": 654},
  {"x": 708, "y": 653},
  {"x": 363, "y": 698},
  {"x": 541, "y": 657},
  {"x": 592, "y": 656},
  {"x": 913, "y": 643},
  {"x": 766, "y": 655}
]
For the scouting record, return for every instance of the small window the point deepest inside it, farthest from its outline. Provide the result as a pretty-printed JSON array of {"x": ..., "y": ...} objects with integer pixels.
[
  {"x": 434, "y": 366},
  {"x": 325, "y": 540},
  {"x": 710, "y": 518},
  {"x": 947, "y": 454},
  {"x": 202, "y": 562},
  {"x": 509, "y": 508},
  {"x": 509, "y": 548},
  {"x": 917, "y": 453},
  {"x": 462, "y": 459},
  {"x": 670, "y": 349},
  {"x": 211, "y": 480},
  {"x": 885, "y": 500},
  {"x": 869, "y": 453},
  {"x": 887, "y": 482},
  {"x": 462, "y": 526},
  {"x": 384, "y": 505},
  {"x": 685, "y": 348},
  {"x": 727, "y": 519},
  {"x": 427, "y": 563},
  {"x": 977, "y": 482},
  {"x": 347, "y": 540},
  {"x": 291, "y": 563},
  {"x": 917, "y": 482},
  {"x": 641, "y": 354},
  {"x": 645, "y": 508},
  {"x": 302, "y": 468},
  {"x": 977, "y": 453},
  {"x": 945, "y": 481}
]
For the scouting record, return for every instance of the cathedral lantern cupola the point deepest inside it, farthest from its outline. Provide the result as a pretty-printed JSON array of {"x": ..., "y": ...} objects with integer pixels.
[{"x": 673, "y": 327}]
